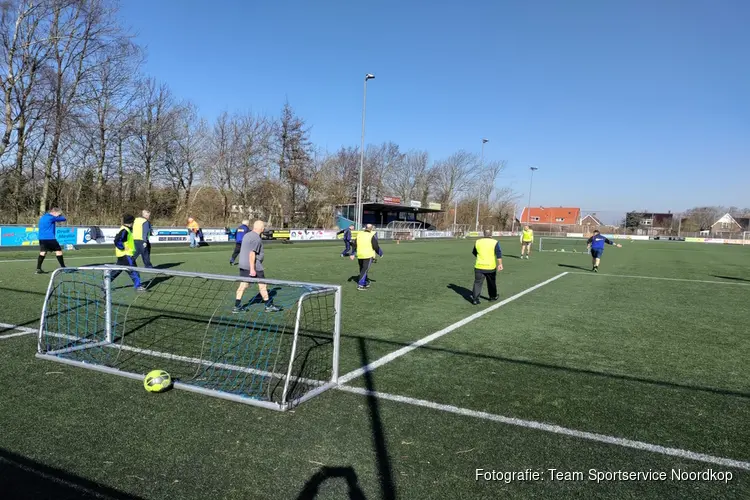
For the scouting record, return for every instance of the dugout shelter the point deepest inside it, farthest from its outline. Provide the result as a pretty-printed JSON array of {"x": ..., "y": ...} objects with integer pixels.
[{"x": 387, "y": 211}]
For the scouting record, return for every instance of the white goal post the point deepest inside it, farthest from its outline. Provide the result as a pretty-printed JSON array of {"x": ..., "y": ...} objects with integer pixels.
[
  {"x": 571, "y": 245},
  {"x": 187, "y": 324}
]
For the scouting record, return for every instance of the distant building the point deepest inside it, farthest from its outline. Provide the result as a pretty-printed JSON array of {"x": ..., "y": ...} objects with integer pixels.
[
  {"x": 730, "y": 225},
  {"x": 591, "y": 220},
  {"x": 561, "y": 216},
  {"x": 651, "y": 222}
]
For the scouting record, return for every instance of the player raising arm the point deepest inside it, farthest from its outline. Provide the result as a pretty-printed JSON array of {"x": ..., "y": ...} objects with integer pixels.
[
  {"x": 595, "y": 246},
  {"x": 48, "y": 239}
]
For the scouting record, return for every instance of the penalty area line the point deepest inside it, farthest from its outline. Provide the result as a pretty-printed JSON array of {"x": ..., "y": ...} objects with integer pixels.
[
  {"x": 21, "y": 330},
  {"x": 425, "y": 340},
  {"x": 660, "y": 278},
  {"x": 555, "y": 429}
]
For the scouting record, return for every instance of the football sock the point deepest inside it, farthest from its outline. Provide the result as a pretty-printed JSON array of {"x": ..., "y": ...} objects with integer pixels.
[
  {"x": 237, "y": 302},
  {"x": 60, "y": 260},
  {"x": 39, "y": 261}
]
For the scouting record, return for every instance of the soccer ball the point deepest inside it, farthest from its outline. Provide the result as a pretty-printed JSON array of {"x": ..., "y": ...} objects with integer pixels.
[{"x": 157, "y": 381}]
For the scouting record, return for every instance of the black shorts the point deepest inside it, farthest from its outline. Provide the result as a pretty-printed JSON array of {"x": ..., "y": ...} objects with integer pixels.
[
  {"x": 49, "y": 246},
  {"x": 244, "y": 273}
]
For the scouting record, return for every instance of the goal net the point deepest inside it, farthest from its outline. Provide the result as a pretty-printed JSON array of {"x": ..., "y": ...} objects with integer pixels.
[
  {"x": 187, "y": 324},
  {"x": 404, "y": 230},
  {"x": 572, "y": 245}
]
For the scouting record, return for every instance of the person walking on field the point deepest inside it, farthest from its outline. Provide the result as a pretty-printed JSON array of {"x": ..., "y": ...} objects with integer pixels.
[
  {"x": 251, "y": 266},
  {"x": 125, "y": 250},
  {"x": 141, "y": 231},
  {"x": 527, "y": 238},
  {"x": 489, "y": 260},
  {"x": 242, "y": 230},
  {"x": 193, "y": 229},
  {"x": 347, "y": 240},
  {"x": 48, "y": 238},
  {"x": 365, "y": 248}
]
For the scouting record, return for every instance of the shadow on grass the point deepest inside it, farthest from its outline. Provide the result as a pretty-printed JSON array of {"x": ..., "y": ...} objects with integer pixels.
[
  {"x": 574, "y": 267},
  {"x": 462, "y": 291},
  {"x": 355, "y": 279},
  {"x": 511, "y": 256},
  {"x": 385, "y": 471},
  {"x": 310, "y": 490},
  {"x": 22, "y": 478},
  {"x": 168, "y": 265},
  {"x": 733, "y": 278}
]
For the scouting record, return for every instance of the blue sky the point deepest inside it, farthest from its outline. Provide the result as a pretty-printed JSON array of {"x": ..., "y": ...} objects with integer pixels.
[{"x": 622, "y": 105}]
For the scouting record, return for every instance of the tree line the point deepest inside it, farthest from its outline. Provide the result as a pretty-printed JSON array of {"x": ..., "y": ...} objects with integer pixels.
[
  {"x": 85, "y": 129},
  {"x": 691, "y": 220}
]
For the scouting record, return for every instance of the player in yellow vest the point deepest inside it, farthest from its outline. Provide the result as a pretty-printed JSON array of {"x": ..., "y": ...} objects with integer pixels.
[
  {"x": 489, "y": 260},
  {"x": 125, "y": 250},
  {"x": 527, "y": 238},
  {"x": 366, "y": 247},
  {"x": 141, "y": 232}
]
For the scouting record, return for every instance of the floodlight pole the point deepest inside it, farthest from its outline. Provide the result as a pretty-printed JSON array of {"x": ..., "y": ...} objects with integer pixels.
[
  {"x": 368, "y": 76},
  {"x": 531, "y": 184},
  {"x": 479, "y": 191}
]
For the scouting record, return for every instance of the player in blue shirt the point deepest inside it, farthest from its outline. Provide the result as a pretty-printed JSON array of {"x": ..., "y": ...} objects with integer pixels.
[
  {"x": 242, "y": 230},
  {"x": 48, "y": 239},
  {"x": 595, "y": 246},
  {"x": 347, "y": 240}
]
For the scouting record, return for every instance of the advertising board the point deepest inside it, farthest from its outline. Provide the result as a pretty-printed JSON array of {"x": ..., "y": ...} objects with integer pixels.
[{"x": 12, "y": 236}]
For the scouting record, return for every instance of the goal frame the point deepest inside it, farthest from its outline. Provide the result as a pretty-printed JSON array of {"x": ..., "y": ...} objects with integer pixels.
[
  {"x": 542, "y": 238},
  {"x": 283, "y": 405}
]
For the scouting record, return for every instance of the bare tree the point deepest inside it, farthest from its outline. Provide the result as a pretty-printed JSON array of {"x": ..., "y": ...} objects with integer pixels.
[
  {"x": 187, "y": 156},
  {"x": 410, "y": 178},
  {"x": 294, "y": 153},
  {"x": 110, "y": 91},
  {"x": 454, "y": 175},
  {"x": 155, "y": 112},
  {"x": 79, "y": 29}
]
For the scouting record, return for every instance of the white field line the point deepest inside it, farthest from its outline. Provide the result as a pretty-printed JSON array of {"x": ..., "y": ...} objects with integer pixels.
[
  {"x": 556, "y": 429},
  {"x": 659, "y": 278},
  {"x": 419, "y": 343},
  {"x": 21, "y": 330},
  {"x": 104, "y": 257}
]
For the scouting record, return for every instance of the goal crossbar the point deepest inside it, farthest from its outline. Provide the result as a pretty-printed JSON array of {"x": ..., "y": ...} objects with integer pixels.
[
  {"x": 555, "y": 244},
  {"x": 317, "y": 320}
]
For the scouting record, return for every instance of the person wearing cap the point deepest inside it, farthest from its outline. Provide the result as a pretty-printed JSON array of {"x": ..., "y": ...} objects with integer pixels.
[{"x": 125, "y": 251}]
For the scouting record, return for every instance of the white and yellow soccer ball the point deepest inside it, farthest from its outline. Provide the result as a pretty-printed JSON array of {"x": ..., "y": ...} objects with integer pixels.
[{"x": 157, "y": 381}]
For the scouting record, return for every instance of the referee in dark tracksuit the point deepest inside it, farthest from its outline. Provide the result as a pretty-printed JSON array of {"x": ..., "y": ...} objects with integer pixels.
[{"x": 489, "y": 261}]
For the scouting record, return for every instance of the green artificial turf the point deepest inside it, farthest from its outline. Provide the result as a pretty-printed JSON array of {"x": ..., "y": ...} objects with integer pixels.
[{"x": 657, "y": 360}]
